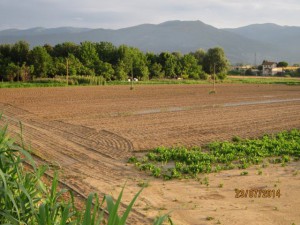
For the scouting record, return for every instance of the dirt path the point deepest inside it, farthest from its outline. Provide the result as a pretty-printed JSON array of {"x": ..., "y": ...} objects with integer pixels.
[{"x": 89, "y": 132}]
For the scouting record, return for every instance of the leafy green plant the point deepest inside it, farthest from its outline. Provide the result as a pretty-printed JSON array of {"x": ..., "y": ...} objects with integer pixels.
[
  {"x": 180, "y": 162},
  {"x": 25, "y": 199},
  {"x": 244, "y": 173}
]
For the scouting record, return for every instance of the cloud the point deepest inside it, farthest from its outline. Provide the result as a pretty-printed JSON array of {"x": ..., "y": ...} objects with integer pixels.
[{"x": 120, "y": 13}]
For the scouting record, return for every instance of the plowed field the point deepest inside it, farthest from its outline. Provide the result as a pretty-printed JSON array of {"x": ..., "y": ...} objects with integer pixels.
[{"x": 89, "y": 132}]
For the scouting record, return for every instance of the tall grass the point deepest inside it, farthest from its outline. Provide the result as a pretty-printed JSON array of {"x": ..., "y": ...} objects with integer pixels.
[{"x": 25, "y": 199}]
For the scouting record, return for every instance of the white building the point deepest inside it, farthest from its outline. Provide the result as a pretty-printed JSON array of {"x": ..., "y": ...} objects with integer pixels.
[{"x": 270, "y": 68}]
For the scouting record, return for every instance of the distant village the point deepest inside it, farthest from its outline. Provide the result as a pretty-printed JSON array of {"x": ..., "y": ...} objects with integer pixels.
[{"x": 267, "y": 68}]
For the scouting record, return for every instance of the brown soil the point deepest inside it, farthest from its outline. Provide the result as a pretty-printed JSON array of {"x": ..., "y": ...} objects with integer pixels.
[{"x": 89, "y": 132}]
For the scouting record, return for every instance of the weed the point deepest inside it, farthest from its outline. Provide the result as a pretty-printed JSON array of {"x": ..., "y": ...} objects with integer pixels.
[
  {"x": 244, "y": 173},
  {"x": 143, "y": 183},
  {"x": 210, "y": 218}
]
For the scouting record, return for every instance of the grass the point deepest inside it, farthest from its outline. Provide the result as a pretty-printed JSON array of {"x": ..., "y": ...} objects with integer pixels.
[
  {"x": 263, "y": 80},
  {"x": 26, "y": 199},
  {"x": 60, "y": 81},
  {"x": 181, "y": 162}
]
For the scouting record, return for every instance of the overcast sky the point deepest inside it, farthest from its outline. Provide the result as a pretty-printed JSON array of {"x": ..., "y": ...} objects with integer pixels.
[{"x": 123, "y": 13}]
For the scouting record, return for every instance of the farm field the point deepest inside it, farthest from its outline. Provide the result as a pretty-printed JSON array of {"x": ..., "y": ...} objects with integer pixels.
[{"x": 90, "y": 132}]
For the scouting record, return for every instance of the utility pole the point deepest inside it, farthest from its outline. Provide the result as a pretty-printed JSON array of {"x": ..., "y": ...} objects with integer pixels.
[
  {"x": 67, "y": 72},
  {"x": 131, "y": 88},
  {"x": 214, "y": 77}
]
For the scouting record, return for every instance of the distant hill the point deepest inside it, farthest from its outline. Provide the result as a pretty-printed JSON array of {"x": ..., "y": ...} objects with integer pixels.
[
  {"x": 271, "y": 42},
  {"x": 284, "y": 37}
]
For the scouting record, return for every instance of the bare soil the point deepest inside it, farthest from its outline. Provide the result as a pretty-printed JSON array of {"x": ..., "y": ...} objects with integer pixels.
[{"x": 89, "y": 132}]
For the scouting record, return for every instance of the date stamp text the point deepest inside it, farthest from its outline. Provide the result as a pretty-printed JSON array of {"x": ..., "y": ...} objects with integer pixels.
[{"x": 257, "y": 193}]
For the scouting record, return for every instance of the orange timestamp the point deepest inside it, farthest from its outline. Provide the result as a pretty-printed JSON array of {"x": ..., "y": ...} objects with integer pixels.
[{"x": 257, "y": 193}]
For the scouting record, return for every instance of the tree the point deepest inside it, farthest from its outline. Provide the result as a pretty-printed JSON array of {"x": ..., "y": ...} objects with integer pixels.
[
  {"x": 20, "y": 52},
  {"x": 199, "y": 55},
  {"x": 107, "y": 52},
  {"x": 190, "y": 67},
  {"x": 13, "y": 72},
  {"x": 134, "y": 62},
  {"x": 156, "y": 71},
  {"x": 249, "y": 72},
  {"x": 215, "y": 61},
  {"x": 41, "y": 61},
  {"x": 282, "y": 64},
  {"x": 105, "y": 69},
  {"x": 120, "y": 71},
  {"x": 169, "y": 63},
  {"x": 125, "y": 55},
  {"x": 49, "y": 49},
  {"x": 5, "y": 51},
  {"x": 88, "y": 55},
  {"x": 64, "y": 49}
]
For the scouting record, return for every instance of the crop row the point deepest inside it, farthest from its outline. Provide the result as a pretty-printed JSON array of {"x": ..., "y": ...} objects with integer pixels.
[{"x": 179, "y": 162}]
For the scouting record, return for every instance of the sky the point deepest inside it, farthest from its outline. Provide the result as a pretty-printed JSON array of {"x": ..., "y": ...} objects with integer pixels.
[{"x": 115, "y": 14}]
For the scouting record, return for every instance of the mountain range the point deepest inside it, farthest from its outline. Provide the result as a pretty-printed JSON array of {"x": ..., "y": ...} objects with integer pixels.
[{"x": 250, "y": 44}]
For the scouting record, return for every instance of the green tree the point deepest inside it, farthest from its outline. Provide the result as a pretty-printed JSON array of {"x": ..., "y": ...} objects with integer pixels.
[
  {"x": 88, "y": 55},
  {"x": 125, "y": 55},
  {"x": 215, "y": 61},
  {"x": 282, "y": 64},
  {"x": 49, "y": 49},
  {"x": 4, "y": 60},
  {"x": 248, "y": 72},
  {"x": 64, "y": 49},
  {"x": 5, "y": 51},
  {"x": 169, "y": 63},
  {"x": 106, "y": 70},
  {"x": 199, "y": 55},
  {"x": 107, "y": 52},
  {"x": 41, "y": 61},
  {"x": 20, "y": 52},
  {"x": 190, "y": 67},
  {"x": 134, "y": 61},
  {"x": 13, "y": 72},
  {"x": 156, "y": 71},
  {"x": 120, "y": 71}
]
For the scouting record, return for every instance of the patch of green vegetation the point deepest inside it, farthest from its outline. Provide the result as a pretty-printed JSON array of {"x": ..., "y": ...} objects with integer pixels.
[
  {"x": 181, "y": 162},
  {"x": 262, "y": 80},
  {"x": 26, "y": 199},
  {"x": 60, "y": 81},
  {"x": 244, "y": 173}
]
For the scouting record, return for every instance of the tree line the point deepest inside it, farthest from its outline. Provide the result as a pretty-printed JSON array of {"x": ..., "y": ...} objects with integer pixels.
[{"x": 20, "y": 63}]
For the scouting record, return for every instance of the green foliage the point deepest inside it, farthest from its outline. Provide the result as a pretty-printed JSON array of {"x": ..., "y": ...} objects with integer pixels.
[
  {"x": 244, "y": 173},
  {"x": 190, "y": 66},
  {"x": 215, "y": 61},
  {"x": 257, "y": 80},
  {"x": 25, "y": 199},
  {"x": 41, "y": 61},
  {"x": 179, "y": 162},
  {"x": 282, "y": 64}
]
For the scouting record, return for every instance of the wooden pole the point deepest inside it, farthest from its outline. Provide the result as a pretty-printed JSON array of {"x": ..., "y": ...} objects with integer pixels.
[
  {"x": 131, "y": 88},
  {"x": 214, "y": 77},
  {"x": 67, "y": 72}
]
